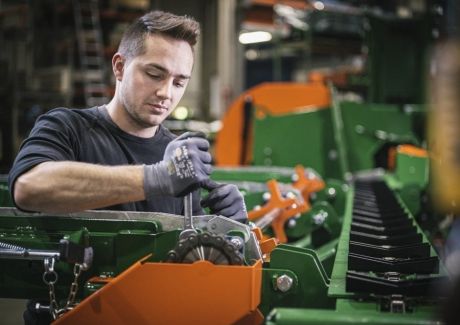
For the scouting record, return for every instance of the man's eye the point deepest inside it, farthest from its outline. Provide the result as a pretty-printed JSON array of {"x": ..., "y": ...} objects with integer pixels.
[
  {"x": 179, "y": 84},
  {"x": 154, "y": 76}
]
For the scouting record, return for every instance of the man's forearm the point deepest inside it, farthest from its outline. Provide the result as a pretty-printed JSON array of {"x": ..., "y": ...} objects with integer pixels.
[{"x": 68, "y": 186}]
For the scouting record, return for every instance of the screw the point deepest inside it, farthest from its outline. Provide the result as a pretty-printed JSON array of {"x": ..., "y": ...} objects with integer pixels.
[
  {"x": 237, "y": 241},
  {"x": 284, "y": 283},
  {"x": 291, "y": 223},
  {"x": 266, "y": 196}
]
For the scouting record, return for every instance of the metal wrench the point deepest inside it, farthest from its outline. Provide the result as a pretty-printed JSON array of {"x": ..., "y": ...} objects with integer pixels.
[{"x": 188, "y": 217}]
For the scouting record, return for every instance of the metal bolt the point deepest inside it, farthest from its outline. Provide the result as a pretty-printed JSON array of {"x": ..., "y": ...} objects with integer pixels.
[
  {"x": 320, "y": 217},
  {"x": 237, "y": 241},
  {"x": 284, "y": 283},
  {"x": 295, "y": 177},
  {"x": 290, "y": 195},
  {"x": 266, "y": 196},
  {"x": 291, "y": 223},
  {"x": 331, "y": 191}
]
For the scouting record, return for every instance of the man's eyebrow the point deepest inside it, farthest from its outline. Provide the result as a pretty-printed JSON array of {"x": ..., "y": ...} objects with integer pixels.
[{"x": 163, "y": 69}]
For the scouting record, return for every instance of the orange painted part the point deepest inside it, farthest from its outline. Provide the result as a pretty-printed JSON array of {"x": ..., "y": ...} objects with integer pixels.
[
  {"x": 411, "y": 150},
  {"x": 267, "y": 244},
  {"x": 255, "y": 317},
  {"x": 289, "y": 208},
  {"x": 391, "y": 158},
  {"x": 275, "y": 98},
  {"x": 307, "y": 186},
  {"x": 166, "y": 293},
  {"x": 98, "y": 279},
  {"x": 406, "y": 149}
]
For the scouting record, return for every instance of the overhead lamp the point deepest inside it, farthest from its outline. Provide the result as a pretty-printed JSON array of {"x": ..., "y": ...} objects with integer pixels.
[
  {"x": 319, "y": 5},
  {"x": 254, "y": 37}
]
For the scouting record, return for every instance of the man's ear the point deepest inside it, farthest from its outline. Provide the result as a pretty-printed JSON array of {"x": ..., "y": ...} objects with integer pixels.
[{"x": 118, "y": 66}]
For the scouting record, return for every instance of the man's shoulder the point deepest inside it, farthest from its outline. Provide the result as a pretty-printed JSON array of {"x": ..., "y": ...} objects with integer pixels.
[
  {"x": 73, "y": 113},
  {"x": 69, "y": 118}
]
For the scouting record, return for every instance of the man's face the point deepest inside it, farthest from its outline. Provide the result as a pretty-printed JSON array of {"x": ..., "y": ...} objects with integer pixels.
[{"x": 153, "y": 83}]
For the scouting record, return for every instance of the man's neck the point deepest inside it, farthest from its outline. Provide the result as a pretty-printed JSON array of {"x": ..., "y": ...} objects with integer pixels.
[{"x": 124, "y": 121}]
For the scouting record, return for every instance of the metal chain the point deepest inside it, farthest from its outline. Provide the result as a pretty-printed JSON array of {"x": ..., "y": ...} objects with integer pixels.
[
  {"x": 77, "y": 269},
  {"x": 50, "y": 277}
]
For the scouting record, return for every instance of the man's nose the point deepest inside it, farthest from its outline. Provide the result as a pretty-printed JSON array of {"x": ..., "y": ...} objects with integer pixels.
[{"x": 164, "y": 90}]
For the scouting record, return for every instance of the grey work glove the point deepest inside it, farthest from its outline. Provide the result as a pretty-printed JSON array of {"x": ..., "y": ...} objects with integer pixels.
[
  {"x": 225, "y": 200},
  {"x": 185, "y": 166}
]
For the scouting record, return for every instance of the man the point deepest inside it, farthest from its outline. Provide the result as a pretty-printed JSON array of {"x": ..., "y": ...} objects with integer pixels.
[{"x": 118, "y": 156}]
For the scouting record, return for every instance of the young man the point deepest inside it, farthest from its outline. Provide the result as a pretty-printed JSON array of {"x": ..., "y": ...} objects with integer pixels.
[{"x": 118, "y": 156}]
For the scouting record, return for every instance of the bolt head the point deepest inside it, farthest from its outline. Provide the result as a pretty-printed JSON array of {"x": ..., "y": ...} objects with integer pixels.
[{"x": 284, "y": 283}]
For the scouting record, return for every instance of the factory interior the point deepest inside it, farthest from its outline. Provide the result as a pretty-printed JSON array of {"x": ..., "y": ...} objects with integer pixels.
[{"x": 336, "y": 120}]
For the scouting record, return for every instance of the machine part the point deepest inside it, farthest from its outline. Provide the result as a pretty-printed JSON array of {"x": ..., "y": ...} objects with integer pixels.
[
  {"x": 165, "y": 293},
  {"x": 274, "y": 98},
  {"x": 169, "y": 222},
  {"x": 50, "y": 277},
  {"x": 307, "y": 183},
  {"x": 11, "y": 251},
  {"x": 188, "y": 218},
  {"x": 205, "y": 247},
  {"x": 267, "y": 219},
  {"x": 284, "y": 283},
  {"x": 290, "y": 207}
]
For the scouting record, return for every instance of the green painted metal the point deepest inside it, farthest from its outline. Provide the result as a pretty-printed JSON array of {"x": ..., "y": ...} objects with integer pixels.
[
  {"x": 334, "y": 193},
  {"x": 412, "y": 170},
  {"x": 339, "y": 135},
  {"x": 310, "y": 281},
  {"x": 310, "y": 137},
  {"x": 372, "y": 127},
  {"x": 293, "y": 316},
  {"x": 259, "y": 174},
  {"x": 117, "y": 245},
  {"x": 301, "y": 138}
]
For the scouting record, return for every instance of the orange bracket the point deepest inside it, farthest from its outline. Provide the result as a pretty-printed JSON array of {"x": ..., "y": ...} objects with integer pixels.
[
  {"x": 266, "y": 244},
  {"x": 290, "y": 207},
  {"x": 306, "y": 186}
]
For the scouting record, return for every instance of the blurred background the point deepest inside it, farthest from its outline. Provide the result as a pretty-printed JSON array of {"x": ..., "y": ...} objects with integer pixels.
[{"x": 57, "y": 53}]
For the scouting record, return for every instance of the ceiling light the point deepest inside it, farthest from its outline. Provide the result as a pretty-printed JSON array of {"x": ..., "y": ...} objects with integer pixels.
[
  {"x": 254, "y": 37},
  {"x": 319, "y": 5}
]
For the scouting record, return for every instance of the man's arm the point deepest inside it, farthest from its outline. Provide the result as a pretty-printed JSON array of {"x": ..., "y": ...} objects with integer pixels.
[{"x": 67, "y": 186}]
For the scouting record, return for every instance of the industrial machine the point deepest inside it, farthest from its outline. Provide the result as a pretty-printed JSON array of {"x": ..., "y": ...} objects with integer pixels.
[{"x": 105, "y": 266}]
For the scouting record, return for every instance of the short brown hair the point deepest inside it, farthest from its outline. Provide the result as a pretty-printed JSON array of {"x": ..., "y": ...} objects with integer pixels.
[{"x": 161, "y": 23}]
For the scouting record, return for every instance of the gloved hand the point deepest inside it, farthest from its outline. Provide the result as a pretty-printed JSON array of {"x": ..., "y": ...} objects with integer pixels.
[
  {"x": 185, "y": 166},
  {"x": 225, "y": 200}
]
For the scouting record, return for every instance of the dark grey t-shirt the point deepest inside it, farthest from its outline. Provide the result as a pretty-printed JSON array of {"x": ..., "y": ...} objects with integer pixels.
[{"x": 89, "y": 135}]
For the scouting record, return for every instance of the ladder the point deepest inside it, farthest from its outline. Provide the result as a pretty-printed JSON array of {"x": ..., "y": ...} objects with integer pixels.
[{"x": 91, "y": 51}]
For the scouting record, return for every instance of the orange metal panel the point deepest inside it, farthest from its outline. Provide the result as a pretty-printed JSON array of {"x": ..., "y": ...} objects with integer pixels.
[{"x": 165, "y": 293}]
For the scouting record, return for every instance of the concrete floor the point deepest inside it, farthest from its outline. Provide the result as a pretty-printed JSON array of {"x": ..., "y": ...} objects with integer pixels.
[{"x": 11, "y": 311}]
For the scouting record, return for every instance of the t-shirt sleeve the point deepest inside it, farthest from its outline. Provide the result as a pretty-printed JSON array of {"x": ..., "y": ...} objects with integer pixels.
[{"x": 51, "y": 139}]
